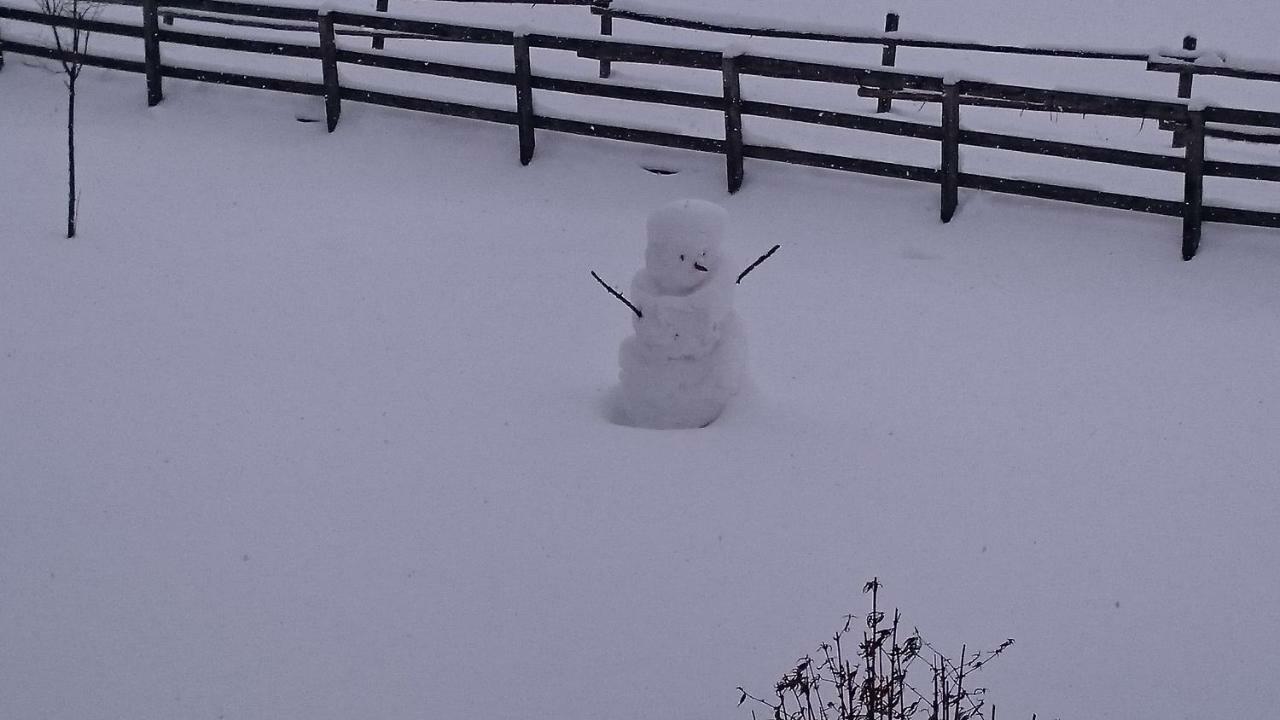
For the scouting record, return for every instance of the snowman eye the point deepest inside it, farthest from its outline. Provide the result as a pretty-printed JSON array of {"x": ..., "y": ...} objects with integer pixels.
[{"x": 681, "y": 258}]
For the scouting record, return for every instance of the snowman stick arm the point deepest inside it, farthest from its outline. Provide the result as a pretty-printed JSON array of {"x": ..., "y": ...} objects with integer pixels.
[
  {"x": 759, "y": 260},
  {"x": 617, "y": 294}
]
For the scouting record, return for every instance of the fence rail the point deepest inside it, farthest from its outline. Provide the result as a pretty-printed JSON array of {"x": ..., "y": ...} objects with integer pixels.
[
  {"x": 1189, "y": 120},
  {"x": 889, "y": 37}
]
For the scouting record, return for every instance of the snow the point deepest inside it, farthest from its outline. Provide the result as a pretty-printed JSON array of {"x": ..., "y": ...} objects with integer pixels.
[
  {"x": 685, "y": 247},
  {"x": 310, "y": 425},
  {"x": 688, "y": 355}
]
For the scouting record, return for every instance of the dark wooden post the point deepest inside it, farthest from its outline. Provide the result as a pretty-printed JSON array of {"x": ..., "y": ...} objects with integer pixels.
[
  {"x": 1185, "y": 80},
  {"x": 732, "y": 121},
  {"x": 950, "y": 150},
  {"x": 524, "y": 98},
  {"x": 606, "y": 29},
  {"x": 888, "y": 58},
  {"x": 151, "y": 49},
  {"x": 1193, "y": 197},
  {"x": 380, "y": 41},
  {"x": 329, "y": 63}
]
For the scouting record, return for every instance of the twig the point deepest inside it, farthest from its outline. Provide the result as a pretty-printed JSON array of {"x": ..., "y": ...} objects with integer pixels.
[
  {"x": 618, "y": 295},
  {"x": 759, "y": 260}
]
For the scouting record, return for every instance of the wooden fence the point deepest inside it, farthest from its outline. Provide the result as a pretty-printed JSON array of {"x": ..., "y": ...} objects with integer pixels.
[
  {"x": 1182, "y": 63},
  {"x": 524, "y": 81}
]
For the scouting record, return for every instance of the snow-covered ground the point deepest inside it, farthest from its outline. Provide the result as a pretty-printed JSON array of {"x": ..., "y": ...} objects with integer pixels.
[{"x": 315, "y": 426}]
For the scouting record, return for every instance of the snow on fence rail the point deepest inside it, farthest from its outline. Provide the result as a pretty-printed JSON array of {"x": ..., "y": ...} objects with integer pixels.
[
  {"x": 735, "y": 26},
  {"x": 951, "y": 93}
]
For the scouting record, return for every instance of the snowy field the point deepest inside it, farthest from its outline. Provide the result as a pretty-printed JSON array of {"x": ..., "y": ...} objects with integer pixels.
[{"x": 316, "y": 426}]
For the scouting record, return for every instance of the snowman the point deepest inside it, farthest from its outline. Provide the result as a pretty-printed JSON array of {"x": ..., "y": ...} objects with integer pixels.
[{"x": 687, "y": 357}]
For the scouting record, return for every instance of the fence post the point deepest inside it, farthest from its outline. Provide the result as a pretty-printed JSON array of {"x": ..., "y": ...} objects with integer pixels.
[
  {"x": 524, "y": 97},
  {"x": 151, "y": 49},
  {"x": 1185, "y": 80},
  {"x": 888, "y": 58},
  {"x": 950, "y": 149},
  {"x": 329, "y": 63},
  {"x": 380, "y": 41},
  {"x": 606, "y": 29},
  {"x": 1193, "y": 197},
  {"x": 732, "y": 121}
]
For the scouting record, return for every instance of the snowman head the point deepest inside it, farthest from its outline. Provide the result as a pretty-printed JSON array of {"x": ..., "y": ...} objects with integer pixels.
[{"x": 684, "y": 245}]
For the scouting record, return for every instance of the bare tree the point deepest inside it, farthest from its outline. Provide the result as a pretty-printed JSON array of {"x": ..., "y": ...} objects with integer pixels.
[{"x": 68, "y": 20}]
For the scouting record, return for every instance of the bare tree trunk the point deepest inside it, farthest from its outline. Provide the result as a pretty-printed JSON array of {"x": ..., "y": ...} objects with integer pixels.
[
  {"x": 71, "y": 157},
  {"x": 72, "y": 59}
]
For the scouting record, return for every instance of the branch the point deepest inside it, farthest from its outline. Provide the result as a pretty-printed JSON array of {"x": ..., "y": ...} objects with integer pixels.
[
  {"x": 79, "y": 37},
  {"x": 618, "y": 295},
  {"x": 758, "y": 261}
]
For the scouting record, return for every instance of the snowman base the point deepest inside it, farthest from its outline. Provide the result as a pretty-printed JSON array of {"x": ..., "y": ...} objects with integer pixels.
[{"x": 690, "y": 391}]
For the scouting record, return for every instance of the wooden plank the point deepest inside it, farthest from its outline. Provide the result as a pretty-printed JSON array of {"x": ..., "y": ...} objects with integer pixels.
[
  {"x": 1233, "y": 116},
  {"x": 1185, "y": 78},
  {"x": 1244, "y": 171},
  {"x": 626, "y": 92},
  {"x": 732, "y": 124},
  {"x": 101, "y": 61},
  {"x": 606, "y": 30},
  {"x": 432, "y": 30},
  {"x": 653, "y": 19},
  {"x": 822, "y": 72},
  {"x": 92, "y": 25},
  {"x": 1081, "y": 196},
  {"x": 1237, "y": 216},
  {"x": 646, "y": 137},
  {"x": 576, "y": 3},
  {"x": 1184, "y": 91},
  {"x": 914, "y": 96},
  {"x": 1243, "y": 136},
  {"x": 1263, "y": 135},
  {"x": 266, "y": 24},
  {"x": 524, "y": 98},
  {"x": 426, "y": 67},
  {"x": 329, "y": 66},
  {"x": 633, "y": 52},
  {"x": 888, "y": 58},
  {"x": 246, "y": 9},
  {"x": 1073, "y": 151},
  {"x": 244, "y": 80},
  {"x": 1230, "y": 72},
  {"x": 555, "y": 42},
  {"x": 151, "y": 51},
  {"x": 950, "y": 180},
  {"x": 380, "y": 41},
  {"x": 264, "y": 47},
  {"x": 840, "y": 162},
  {"x": 1193, "y": 190},
  {"x": 1078, "y": 103},
  {"x": 832, "y": 118},
  {"x": 285, "y": 25},
  {"x": 437, "y": 107}
]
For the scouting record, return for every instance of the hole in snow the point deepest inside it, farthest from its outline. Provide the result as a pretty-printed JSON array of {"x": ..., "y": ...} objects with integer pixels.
[{"x": 660, "y": 170}]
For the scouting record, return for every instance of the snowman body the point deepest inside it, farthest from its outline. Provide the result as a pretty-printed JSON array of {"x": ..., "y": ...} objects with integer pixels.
[{"x": 687, "y": 357}]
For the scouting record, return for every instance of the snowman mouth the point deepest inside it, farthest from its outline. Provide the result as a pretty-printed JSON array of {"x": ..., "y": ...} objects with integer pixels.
[{"x": 699, "y": 267}]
